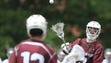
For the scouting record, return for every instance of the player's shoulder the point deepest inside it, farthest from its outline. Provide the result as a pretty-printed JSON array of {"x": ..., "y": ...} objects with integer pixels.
[
  {"x": 20, "y": 43},
  {"x": 98, "y": 45},
  {"x": 34, "y": 43}
]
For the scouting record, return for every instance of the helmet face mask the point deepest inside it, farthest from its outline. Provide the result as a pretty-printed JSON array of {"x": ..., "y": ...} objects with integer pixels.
[
  {"x": 108, "y": 54},
  {"x": 93, "y": 30},
  {"x": 36, "y": 21}
]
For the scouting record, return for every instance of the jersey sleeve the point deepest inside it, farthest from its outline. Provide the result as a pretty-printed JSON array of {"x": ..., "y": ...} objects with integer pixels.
[
  {"x": 12, "y": 58},
  {"x": 75, "y": 42},
  {"x": 53, "y": 58},
  {"x": 99, "y": 55}
]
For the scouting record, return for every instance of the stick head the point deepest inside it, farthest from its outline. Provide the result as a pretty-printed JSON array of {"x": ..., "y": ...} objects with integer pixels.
[{"x": 58, "y": 28}]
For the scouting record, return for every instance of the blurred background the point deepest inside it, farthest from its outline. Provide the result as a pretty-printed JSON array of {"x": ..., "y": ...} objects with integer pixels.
[{"x": 74, "y": 13}]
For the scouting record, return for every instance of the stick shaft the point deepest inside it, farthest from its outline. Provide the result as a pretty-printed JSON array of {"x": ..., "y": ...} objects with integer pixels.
[{"x": 65, "y": 43}]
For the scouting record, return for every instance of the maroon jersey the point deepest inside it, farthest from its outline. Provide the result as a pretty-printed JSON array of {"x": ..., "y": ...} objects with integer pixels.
[
  {"x": 33, "y": 51},
  {"x": 94, "y": 51}
]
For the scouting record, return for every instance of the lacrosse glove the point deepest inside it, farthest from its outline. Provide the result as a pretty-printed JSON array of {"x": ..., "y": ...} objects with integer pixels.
[{"x": 66, "y": 47}]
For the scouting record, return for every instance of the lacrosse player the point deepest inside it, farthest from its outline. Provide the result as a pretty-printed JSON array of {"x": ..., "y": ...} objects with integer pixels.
[
  {"x": 107, "y": 55},
  {"x": 93, "y": 48},
  {"x": 34, "y": 49}
]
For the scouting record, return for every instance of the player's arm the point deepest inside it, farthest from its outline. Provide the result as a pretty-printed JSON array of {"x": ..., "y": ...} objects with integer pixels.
[
  {"x": 68, "y": 46},
  {"x": 54, "y": 58},
  {"x": 77, "y": 41},
  {"x": 99, "y": 55},
  {"x": 12, "y": 58}
]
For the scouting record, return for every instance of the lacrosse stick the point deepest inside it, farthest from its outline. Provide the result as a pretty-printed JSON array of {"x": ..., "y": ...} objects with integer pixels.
[{"x": 58, "y": 28}]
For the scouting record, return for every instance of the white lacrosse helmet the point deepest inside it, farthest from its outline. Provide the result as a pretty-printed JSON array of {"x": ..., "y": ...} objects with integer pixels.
[
  {"x": 93, "y": 30},
  {"x": 107, "y": 54},
  {"x": 36, "y": 21}
]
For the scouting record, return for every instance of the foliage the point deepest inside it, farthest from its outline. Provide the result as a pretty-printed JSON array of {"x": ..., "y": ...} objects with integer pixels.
[{"x": 12, "y": 28}]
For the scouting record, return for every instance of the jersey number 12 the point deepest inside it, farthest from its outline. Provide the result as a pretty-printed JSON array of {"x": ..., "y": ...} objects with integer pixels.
[{"x": 27, "y": 57}]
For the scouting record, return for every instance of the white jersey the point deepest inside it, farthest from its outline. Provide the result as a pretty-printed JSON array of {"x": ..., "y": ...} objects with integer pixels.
[
  {"x": 5, "y": 61},
  {"x": 106, "y": 61}
]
